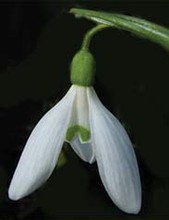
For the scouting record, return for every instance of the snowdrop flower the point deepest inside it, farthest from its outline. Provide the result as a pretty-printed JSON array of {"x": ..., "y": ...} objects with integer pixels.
[{"x": 93, "y": 133}]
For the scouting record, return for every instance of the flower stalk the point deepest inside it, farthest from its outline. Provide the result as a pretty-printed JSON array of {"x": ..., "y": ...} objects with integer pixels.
[
  {"x": 83, "y": 65},
  {"x": 89, "y": 35}
]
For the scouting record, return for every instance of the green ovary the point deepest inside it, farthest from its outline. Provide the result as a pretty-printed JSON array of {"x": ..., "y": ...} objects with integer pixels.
[
  {"x": 78, "y": 130},
  {"x": 83, "y": 68}
]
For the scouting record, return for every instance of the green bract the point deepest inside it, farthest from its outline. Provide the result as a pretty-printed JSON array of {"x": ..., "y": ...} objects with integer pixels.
[{"x": 83, "y": 68}]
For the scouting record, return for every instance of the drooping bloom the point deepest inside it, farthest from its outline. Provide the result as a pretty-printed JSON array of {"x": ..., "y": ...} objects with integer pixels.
[{"x": 93, "y": 133}]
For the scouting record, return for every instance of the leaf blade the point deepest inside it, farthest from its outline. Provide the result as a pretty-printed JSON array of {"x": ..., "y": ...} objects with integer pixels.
[{"x": 140, "y": 27}]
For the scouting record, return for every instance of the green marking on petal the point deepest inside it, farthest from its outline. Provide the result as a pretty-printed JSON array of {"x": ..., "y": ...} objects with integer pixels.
[{"x": 84, "y": 133}]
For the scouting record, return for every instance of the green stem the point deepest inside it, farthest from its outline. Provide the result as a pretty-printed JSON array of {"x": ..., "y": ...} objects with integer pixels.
[
  {"x": 83, "y": 65},
  {"x": 89, "y": 35}
]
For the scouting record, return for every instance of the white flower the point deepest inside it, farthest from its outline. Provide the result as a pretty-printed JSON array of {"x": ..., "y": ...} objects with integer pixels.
[{"x": 95, "y": 135}]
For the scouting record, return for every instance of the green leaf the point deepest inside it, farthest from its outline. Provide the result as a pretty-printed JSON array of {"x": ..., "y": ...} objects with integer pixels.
[{"x": 139, "y": 27}]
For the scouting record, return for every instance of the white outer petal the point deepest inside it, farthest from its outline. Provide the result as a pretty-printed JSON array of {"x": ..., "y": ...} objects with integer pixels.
[
  {"x": 115, "y": 157},
  {"x": 42, "y": 149}
]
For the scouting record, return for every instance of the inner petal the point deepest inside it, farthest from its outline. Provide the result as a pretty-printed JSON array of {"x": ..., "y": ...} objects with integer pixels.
[
  {"x": 79, "y": 123},
  {"x": 84, "y": 151},
  {"x": 78, "y": 132}
]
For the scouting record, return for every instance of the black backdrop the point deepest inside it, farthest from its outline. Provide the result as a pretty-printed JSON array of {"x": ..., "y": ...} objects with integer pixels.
[{"x": 37, "y": 42}]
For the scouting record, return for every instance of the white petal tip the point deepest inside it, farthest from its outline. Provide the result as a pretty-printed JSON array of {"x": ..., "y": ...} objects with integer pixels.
[
  {"x": 14, "y": 196},
  {"x": 16, "y": 193},
  {"x": 131, "y": 209}
]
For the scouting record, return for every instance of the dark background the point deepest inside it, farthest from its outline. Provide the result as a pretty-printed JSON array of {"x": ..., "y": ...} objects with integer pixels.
[{"x": 37, "y": 42}]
